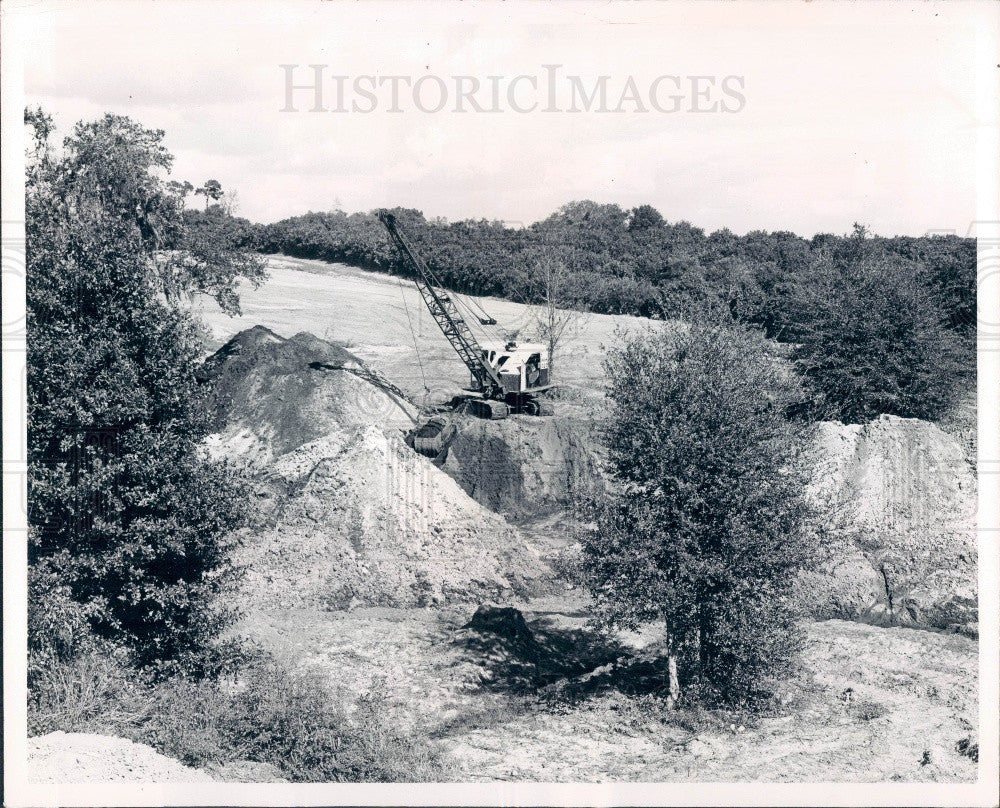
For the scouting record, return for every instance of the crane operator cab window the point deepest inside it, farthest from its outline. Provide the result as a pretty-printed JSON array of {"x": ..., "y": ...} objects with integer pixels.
[{"x": 532, "y": 370}]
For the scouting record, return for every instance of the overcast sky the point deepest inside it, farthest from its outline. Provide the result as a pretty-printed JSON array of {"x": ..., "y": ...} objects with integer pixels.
[{"x": 849, "y": 112}]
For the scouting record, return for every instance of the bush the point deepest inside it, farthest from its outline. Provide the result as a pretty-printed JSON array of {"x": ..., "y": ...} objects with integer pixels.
[
  {"x": 703, "y": 527},
  {"x": 291, "y": 720}
]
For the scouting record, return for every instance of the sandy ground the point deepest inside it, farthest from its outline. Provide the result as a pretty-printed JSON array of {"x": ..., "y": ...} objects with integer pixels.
[
  {"x": 77, "y": 757},
  {"x": 372, "y": 313},
  {"x": 870, "y": 704}
]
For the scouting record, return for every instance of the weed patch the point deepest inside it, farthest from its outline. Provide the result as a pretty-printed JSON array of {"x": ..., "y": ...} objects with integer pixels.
[{"x": 262, "y": 712}]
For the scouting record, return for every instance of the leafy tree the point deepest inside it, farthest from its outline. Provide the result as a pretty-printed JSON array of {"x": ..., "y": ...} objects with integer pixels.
[
  {"x": 211, "y": 190},
  {"x": 871, "y": 338},
  {"x": 644, "y": 217},
  {"x": 950, "y": 266},
  {"x": 125, "y": 513},
  {"x": 703, "y": 527}
]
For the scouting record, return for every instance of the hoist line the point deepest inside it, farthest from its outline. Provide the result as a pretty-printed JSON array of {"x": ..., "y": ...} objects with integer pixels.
[{"x": 413, "y": 334}]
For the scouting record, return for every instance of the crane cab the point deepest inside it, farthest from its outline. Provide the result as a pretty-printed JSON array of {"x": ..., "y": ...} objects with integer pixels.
[{"x": 522, "y": 367}]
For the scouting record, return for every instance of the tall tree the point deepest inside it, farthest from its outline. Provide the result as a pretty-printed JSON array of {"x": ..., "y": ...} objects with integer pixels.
[
  {"x": 211, "y": 190},
  {"x": 703, "y": 527},
  {"x": 125, "y": 513}
]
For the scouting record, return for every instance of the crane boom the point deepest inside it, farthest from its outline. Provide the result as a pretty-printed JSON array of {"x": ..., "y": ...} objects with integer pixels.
[{"x": 444, "y": 311}]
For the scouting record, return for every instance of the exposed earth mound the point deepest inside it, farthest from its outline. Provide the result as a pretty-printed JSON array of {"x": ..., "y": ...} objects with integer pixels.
[
  {"x": 75, "y": 757},
  {"x": 524, "y": 465},
  {"x": 897, "y": 523},
  {"x": 349, "y": 514},
  {"x": 270, "y": 395}
]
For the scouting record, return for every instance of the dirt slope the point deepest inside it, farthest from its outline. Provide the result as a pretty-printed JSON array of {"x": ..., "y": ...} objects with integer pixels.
[
  {"x": 898, "y": 509},
  {"x": 349, "y": 514},
  {"x": 377, "y": 317},
  {"x": 524, "y": 466},
  {"x": 61, "y": 757}
]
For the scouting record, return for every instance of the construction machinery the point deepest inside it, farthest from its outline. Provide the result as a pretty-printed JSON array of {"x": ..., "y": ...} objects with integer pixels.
[{"x": 506, "y": 377}]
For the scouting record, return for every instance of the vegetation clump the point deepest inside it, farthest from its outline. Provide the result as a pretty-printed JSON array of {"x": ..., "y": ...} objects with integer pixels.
[{"x": 704, "y": 526}]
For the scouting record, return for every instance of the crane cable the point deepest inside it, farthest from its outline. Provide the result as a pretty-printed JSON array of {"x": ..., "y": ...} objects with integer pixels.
[
  {"x": 466, "y": 302},
  {"x": 413, "y": 334}
]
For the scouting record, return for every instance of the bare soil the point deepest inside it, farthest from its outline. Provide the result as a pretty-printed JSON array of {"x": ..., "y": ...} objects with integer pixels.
[
  {"x": 870, "y": 704},
  {"x": 382, "y": 320},
  {"x": 76, "y": 757}
]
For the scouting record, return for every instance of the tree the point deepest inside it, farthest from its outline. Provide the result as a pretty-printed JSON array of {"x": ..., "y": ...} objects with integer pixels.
[
  {"x": 211, "y": 190},
  {"x": 871, "y": 337},
  {"x": 645, "y": 217},
  {"x": 126, "y": 515},
  {"x": 703, "y": 525},
  {"x": 554, "y": 316}
]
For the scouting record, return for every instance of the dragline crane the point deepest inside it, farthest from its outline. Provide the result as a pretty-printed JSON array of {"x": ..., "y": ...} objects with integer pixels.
[{"x": 506, "y": 376}]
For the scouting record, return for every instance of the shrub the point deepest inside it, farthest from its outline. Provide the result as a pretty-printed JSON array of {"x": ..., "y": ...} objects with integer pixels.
[
  {"x": 703, "y": 528},
  {"x": 868, "y": 710},
  {"x": 290, "y": 719},
  {"x": 261, "y": 712},
  {"x": 969, "y": 748}
]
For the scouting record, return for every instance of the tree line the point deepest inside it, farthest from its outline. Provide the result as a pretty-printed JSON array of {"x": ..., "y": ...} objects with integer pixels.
[{"x": 905, "y": 305}]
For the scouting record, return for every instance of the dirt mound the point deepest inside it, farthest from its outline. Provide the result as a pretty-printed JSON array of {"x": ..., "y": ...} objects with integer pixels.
[
  {"x": 524, "y": 466},
  {"x": 360, "y": 518},
  {"x": 897, "y": 501},
  {"x": 349, "y": 514},
  {"x": 61, "y": 757},
  {"x": 270, "y": 395}
]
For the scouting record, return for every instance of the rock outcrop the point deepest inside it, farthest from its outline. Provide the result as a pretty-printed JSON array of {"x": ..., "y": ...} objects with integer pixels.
[{"x": 897, "y": 526}]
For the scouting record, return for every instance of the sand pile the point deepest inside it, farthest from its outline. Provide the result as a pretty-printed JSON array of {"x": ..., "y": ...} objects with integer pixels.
[
  {"x": 349, "y": 514},
  {"x": 897, "y": 502},
  {"x": 524, "y": 466},
  {"x": 271, "y": 395},
  {"x": 74, "y": 757},
  {"x": 362, "y": 519}
]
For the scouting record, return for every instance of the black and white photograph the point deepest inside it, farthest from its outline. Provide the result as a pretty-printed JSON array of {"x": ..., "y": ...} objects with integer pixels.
[{"x": 480, "y": 403}]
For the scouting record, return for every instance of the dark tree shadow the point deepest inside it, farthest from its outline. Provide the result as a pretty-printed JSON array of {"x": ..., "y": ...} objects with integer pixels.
[{"x": 555, "y": 661}]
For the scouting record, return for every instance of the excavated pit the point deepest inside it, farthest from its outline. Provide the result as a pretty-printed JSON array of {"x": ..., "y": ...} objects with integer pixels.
[
  {"x": 349, "y": 514},
  {"x": 525, "y": 466}
]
